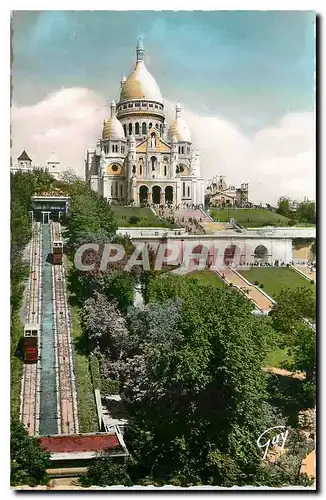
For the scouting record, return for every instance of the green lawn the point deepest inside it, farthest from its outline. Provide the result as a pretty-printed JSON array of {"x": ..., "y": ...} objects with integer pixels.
[
  {"x": 207, "y": 277},
  {"x": 275, "y": 279},
  {"x": 249, "y": 217},
  {"x": 147, "y": 217},
  {"x": 278, "y": 358},
  {"x": 88, "y": 421}
]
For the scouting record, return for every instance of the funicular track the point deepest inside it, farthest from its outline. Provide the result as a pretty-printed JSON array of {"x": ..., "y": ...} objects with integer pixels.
[
  {"x": 30, "y": 394},
  {"x": 67, "y": 397}
]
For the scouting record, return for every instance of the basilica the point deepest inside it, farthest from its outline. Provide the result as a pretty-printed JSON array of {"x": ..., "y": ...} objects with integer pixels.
[{"x": 139, "y": 159}]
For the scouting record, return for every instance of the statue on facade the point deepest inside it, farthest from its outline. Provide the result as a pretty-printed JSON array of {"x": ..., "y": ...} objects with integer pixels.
[{"x": 153, "y": 141}]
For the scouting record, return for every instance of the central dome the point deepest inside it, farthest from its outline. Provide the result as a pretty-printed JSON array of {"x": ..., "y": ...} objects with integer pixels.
[{"x": 140, "y": 84}]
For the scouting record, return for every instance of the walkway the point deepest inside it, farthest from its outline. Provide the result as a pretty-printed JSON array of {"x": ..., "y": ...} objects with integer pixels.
[
  {"x": 305, "y": 270},
  {"x": 254, "y": 294}
]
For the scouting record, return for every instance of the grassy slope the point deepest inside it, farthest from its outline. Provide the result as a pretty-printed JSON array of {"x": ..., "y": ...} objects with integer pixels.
[
  {"x": 255, "y": 217},
  {"x": 207, "y": 277},
  {"x": 88, "y": 421},
  {"x": 148, "y": 218},
  {"x": 275, "y": 279}
]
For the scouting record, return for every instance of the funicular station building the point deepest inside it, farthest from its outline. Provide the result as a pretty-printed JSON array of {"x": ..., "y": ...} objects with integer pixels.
[{"x": 49, "y": 206}]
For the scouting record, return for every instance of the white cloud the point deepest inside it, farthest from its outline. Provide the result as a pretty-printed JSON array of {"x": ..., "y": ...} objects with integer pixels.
[{"x": 276, "y": 161}]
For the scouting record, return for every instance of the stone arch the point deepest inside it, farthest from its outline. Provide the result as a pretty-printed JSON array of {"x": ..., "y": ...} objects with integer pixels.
[
  {"x": 261, "y": 253},
  {"x": 169, "y": 194},
  {"x": 153, "y": 140},
  {"x": 156, "y": 194},
  {"x": 153, "y": 163},
  {"x": 230, "y": 253},
  {"x": 143, "y": 194},
  {"x": 197, "y": 249},
  {"x": 183, "y": 169},
  {"x": 141, "y": 166}
]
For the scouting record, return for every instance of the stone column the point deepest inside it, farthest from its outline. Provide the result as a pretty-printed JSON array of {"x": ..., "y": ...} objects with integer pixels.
[
  {"x": 162, "y": 200},
  {"x": 149, "y": 196}
]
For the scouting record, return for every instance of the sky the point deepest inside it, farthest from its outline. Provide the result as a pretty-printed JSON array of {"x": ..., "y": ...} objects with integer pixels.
[{"x": 245, "y": 80}]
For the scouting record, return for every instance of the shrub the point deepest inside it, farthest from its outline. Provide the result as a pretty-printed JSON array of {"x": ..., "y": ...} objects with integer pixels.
[
  {"x": 261, "y": 285},
  {"x": 312, "y": 282},
  {"x": 109, "y": 386},
  {"x": 95, "y": 372},
  {"x": 287, "y": 265},
  {"x": 134, "y": 219},
  {"x": 256, "y": 283}
]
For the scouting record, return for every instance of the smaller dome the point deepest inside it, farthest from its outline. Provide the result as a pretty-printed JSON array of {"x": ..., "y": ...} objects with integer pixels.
[
  {"x": 113, "y": 129},
  {"x": 179, "y": 128}
]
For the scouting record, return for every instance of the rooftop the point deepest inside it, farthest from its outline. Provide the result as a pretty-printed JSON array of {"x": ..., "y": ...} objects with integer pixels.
[
  {"x": 81, "y": 446},
  {"x": 24, "y": 157}
]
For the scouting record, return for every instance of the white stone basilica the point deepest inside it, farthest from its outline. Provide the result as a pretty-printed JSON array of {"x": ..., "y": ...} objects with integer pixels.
[{"x": 137, "y": 160}]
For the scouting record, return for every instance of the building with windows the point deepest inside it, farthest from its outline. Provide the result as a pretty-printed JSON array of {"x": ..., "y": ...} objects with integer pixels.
[
  {"x": 139, "y": 159},
  {"x": 25, "y": 164},
  {"x": 220, "y": 194}
]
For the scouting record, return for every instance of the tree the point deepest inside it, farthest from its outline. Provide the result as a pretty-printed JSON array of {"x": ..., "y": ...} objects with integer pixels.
[
  {"x": 198, "y": 398},
  {"x": 104, "y": 326},
  {"x": 284, "y": 207},
  {"x": 106, "y": 472},
  {"x": 293, "y": 305},
  {"x": 29, "y": 460},
  {"x": 306, "y": 212}
]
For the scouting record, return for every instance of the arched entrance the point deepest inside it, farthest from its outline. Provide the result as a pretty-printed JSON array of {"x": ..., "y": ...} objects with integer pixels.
[
  {"x": 261, "y": 253},
  {"x": 143, "y": 195},
  {"x": 199, "y": 249},
  {"x": 156, "y": 195},
  {"x": 229, "y": 254},
  {"x": 169, "y": 194}
]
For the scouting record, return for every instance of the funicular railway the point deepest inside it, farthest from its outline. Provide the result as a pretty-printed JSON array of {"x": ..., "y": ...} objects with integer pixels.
[
  {"x": 49, "y": 393},
  {"x": 67, "y": 401},
  {"x": 48, "y": 390},
  {"x": 30, "y": 395}
]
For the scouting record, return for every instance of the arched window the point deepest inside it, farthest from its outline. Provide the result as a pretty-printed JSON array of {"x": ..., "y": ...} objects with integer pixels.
[
  {"x": 150, "y": 126},
  {"x": 188, "y": 192},
  {"x": 121, "y": 190},
  {"x": 182, "y": 150},
  {"x": 111, "y": 189},
  {"x": 153, "y": 162},
  {"x": 130, "y": 128},
  {"x": 165, "y": 169},
  {"x": 179, "y": 149},
  {"x": 140, "y": 166},
  {"x": 125, "y": 129},
  {"x": 183, "y": 189},
  {"x": 143, "y": 128},
  {"x": 156, "y": 126},
  {"x": 137, "y": 128}
]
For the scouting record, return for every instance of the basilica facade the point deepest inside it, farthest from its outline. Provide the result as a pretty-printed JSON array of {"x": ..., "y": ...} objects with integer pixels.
[{"x": 139, "y": 159}]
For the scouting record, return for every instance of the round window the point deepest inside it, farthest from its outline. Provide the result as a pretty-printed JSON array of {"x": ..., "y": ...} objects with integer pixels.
[{"x": 115, "y": 168}]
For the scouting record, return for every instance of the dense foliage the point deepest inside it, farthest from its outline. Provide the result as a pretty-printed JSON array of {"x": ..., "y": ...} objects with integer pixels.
[
  {"x": 294, "y": 316},
  {"x": 189, "y": 369},
  {"x": 28, "y": 460},
  {"x": 304, "y": 212}
]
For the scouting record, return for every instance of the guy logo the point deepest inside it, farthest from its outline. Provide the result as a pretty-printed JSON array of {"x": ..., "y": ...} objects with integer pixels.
[{"x": 265, "y": 439}]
